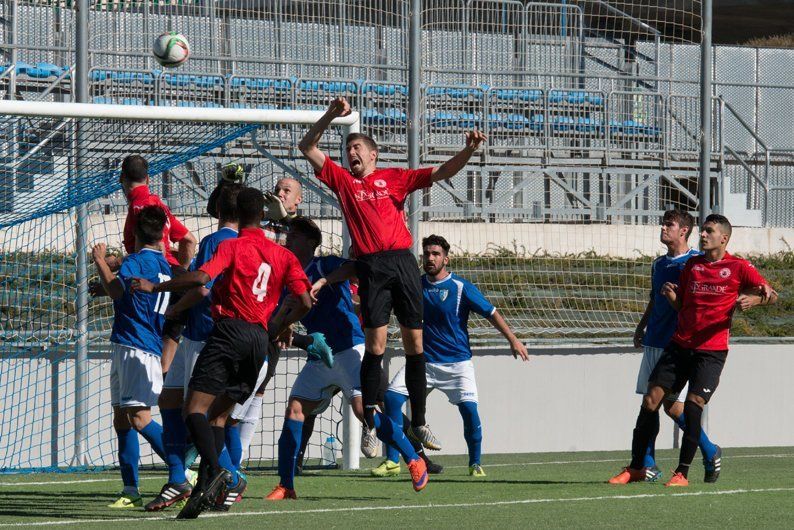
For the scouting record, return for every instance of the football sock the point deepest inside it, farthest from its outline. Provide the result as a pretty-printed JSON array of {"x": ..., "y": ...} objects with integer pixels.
[
  {"x": 306, "y": 434},
  {"x": 389, "y": 434},
  {"x": 707, "y": 447},
  {"x": 234, "y": 445},
  {"x": 689, "y": 443},
  {"x": 249, "y": 423},
  {"x": 472, "y": 430},
  {"x": 650, "y": 452},
  {"x": 393, "y": 403},
  {"x": 288, "y": 445},
  {"x": 370, "y": 384},
  {"x": 174, "y": 437},
  {"x": 416, "y": 383},
  {"x": 204, "y": 440},
  {"x": 153, "y": 433},
  {"x": 129, "y": 454},
  {"x": 224, "y": 460},
  {"x": 646, "y": 429}
]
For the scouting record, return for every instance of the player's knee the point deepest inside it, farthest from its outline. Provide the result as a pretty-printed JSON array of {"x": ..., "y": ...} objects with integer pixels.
[
  {"x": 294, "y": 410},
  {"x": 695, "y": 400},
  {"x": 673, "y": 409},
  {"x": 139, "y": 418},
  {"x": 653, "y": 399}
]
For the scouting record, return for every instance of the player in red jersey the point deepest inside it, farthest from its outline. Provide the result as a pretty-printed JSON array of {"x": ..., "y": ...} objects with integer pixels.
[
  {"x": 229, "y": 367},
  {"x": 134, "y": 180},
  {"x": 707, "y": 293},
  {"x": 373, "y": 203}
]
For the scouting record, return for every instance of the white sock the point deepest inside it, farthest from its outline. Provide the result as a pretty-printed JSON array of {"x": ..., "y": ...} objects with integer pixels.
[{"x": 249, "y": 424}]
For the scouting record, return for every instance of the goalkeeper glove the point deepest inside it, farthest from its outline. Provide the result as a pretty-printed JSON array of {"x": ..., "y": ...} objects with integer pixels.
[
  {"x": 275, "y": 208},
  {"x": 234, "y": 173},
  {"x": 320, "y": 351}
]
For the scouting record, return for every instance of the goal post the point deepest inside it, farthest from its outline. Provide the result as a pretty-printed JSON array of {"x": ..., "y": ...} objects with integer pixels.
[{"x": 44, "y": 191}]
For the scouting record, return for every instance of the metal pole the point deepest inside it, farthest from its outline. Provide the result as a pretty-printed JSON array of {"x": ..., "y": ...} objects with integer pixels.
[
  {"x": 414, "y": 100},
  {"x": 80, "y": 457},
  {"x": 704, "y": 184}
]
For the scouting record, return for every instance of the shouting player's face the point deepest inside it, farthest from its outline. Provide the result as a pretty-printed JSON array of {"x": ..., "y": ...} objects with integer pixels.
[
  {"x": 289, "y": 192},
  {"x": 712, "y": 237},
  {"x": 361, "y": 158},
  {"x": 434, "y": 259}
]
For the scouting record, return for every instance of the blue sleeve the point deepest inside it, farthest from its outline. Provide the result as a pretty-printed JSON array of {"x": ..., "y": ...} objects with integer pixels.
[
  {"x": 207, "y": 248},
  {"x": 130, "y": 268},
  {"x": 476, "y": 301},
  {"x": 331, "y": 263}
]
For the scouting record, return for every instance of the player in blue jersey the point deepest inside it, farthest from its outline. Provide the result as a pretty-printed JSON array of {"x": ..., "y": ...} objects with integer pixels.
[
  {"x": 136, "y": 341},
  {"x": 332, "y": 315},
  {"x": 194, "y": 336},
  {"x": 448, "y": 301}
]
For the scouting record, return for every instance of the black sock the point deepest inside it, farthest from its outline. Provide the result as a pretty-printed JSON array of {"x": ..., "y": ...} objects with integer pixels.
[
  {"x": 416, "y": 383},
  {"x": 689, "y": 443},
  {"x": 416, "y": 445},
  {"x": 646, "y": 429},
  {"x": 220, "y": 439},
  {"x": 302, "y": 341},
  {"x": 371, "y": 370},
  {"x": 306, "y": 433},
  {"x": 204, "y": 440}
]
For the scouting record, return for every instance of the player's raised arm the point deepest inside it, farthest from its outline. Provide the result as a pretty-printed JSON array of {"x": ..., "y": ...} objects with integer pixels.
[
  {"x": 110, "y": 283},
  {"x": 451, "y": 167},
  {"x": 308, "y": 145},
  {"x": 516, "y": 346},
  {"x": 184, "y": 282},
  {"x": 186, "y": 249},
  {"x": 340, "y": 274}
]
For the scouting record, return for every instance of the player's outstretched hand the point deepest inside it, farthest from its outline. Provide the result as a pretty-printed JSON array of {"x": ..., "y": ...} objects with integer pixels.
[
  {"x": 339, "y": 107},
  {"x": 114, "y": 262},
  {"x": 474, "y": 139},
  {"x": 669, "y": 291},
  {"x": 275, "y": 208},
  {"x": 519, "y": 350},
  {"x": 142, "y": 284},
  {"x": 318, "y": 285},
  {"x": 765, "y": 291},
  {"x": 98, "y": 252},
  {"x": 639, "y": 334}
]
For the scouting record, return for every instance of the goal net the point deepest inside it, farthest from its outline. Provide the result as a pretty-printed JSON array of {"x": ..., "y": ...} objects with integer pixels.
[{"x": 58, "y": 159}]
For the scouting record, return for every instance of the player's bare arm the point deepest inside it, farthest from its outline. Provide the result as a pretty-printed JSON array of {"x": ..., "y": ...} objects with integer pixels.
[
  {"x": 345, "y": 272},
  {"x": 110, "y": 283},
  {"x": 670, "y": 291},
  {"x": 452, "y": 166},
  {"x": 761, "y": 295},
  {"x": 639, "y": 333},
  {"x": 338, "y": 108},
  {"x": 294, "y": 308},
  {"x": 188, "y": 300},
  {"x": 516, "y": 346},
  {"x": 186, "y": 249},
  {"x": 187, "y": 281}
]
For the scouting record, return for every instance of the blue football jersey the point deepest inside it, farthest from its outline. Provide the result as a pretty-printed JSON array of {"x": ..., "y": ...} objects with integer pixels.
[
  {"x": 333, "y": 314},
  {"x": 447, "y": 304},
  {"x": 663, "y": 319},
  {"x": 199, "y": 320},
  {"x": 139, "y": 317}
]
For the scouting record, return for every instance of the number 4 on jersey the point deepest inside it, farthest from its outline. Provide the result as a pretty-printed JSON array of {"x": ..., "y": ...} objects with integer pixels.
[{"x": 260, "y": 284}]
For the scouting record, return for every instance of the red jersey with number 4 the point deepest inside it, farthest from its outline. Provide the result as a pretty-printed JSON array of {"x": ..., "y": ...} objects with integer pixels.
[
  {"x": 255, "y": 271},
  {"x": 708, "y": 292},
  {"x": 139, "y": 198},
  {"x": 374, "y": 207}
]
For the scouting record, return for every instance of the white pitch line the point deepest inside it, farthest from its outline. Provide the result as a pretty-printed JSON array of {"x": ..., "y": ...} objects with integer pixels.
[{"x": 412, "y": 507}]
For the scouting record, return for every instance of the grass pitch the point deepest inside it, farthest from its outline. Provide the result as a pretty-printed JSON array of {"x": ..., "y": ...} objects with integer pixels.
[{"x": 522, "y": 490}]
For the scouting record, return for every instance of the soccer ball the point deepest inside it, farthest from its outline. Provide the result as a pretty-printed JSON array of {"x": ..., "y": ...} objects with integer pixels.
[{"x": 171, "y": 49}]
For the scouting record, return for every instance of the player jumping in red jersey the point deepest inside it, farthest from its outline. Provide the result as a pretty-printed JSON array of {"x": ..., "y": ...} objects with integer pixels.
[{"x": 707, "y": 293}]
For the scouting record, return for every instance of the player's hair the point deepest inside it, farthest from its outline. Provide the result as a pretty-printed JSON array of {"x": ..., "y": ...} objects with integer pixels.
[
  {"x": 250, "y": 205},
  {"x": 308, "y": 228},
  {"x": 683, "y": 219},
  {"x": 134, "y": 168},
  {"x": 436, "y": 240},
  {"x": 227, "y": 201},
  {"x": 151, "y": 221},
  {"x": 371, "y": 143},
  {"x": 721, "y": 220}
]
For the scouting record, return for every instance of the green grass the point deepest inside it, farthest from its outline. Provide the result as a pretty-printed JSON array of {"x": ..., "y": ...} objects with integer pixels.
[{"x": 537, "y": 490}]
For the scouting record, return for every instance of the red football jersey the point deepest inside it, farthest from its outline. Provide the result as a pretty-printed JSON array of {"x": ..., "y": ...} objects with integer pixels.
[
  {"x": 255, "y": 271},
  {"x": 708, "y": 292},
  {"x": 374, "y": 206},
  {"x": 174, "y": 229}
]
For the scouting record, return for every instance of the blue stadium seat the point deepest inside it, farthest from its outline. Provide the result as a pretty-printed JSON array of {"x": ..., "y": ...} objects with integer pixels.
[
  {"x": 561, "y": 123},
  {"x": 441, "y": 119},
  {"x": 635, "y": 128},
  {"x": 43, "y": 70},
  {"x": 384, "y": 89},
  {"x": 454, "y": 92},
  {"x": 511, "y": 94},
  {"x": 513, "y": 122},
  {"x": 328, "y": 86},
  {"x": 467, "y": 120},
  {"x": 23, "y": 67},
  {"x": 181, "y": 80},
  {"x": 537, "y": 122},
  {"x": 207, "y": 81},
  {"x": 589, "y": 125},
  {"x": 262, "y": 83}
]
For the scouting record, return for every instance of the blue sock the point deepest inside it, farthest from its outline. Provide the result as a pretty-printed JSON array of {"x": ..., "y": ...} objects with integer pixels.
[
  {"x": 225, "y": 462},
  {"x": 393, "y": 403},
  {"x": 472, "y": 430},
  {"x": 389, "y": 434},
  {"x": 650, "y": 454},
  {"x": 174, "y": 437},
  {"x": 707, "y": 447},
  {"x": 288, "y": 445},
  {"x": 129, "y": 454},
  {"x": 234, "y": 445},
  {"x": 153, "y": 432}
]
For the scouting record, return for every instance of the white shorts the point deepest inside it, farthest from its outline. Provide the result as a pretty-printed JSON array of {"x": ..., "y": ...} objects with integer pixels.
[
  {"x": 317, "y": 382},
  {"x": 239, "y": 411},
  {"x": 456, "y": 380},
  {"x": 136, "y": 377},
  {"x": 178, "y": 375},
  {"x": 650, "y": 357}
]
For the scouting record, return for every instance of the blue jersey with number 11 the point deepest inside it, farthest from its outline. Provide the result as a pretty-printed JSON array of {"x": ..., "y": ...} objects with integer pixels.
[{"x": 139, "y": 316}]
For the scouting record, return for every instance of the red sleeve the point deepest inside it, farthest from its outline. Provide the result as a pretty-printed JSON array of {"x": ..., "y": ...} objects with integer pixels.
[
  {"x": 751, "y": 277},
  {"x": 683, "y": 281},
  {"x": 331, "y": 174},
  {"x": 295, "y": 278},
  {"x": 416, "y": 179},
  {"x": 220, "y": 261},
  {"x": 177, "y": 231},
  {"x": 129, "y": 232}
]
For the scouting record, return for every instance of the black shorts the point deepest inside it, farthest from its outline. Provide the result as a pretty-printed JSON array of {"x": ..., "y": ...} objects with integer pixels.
[
  {"x": 679, "y": 366},
  {"x": 231, "y": 360},
  {"x": 173, "y": 326},
  {"x": 387, "y": 280}
]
